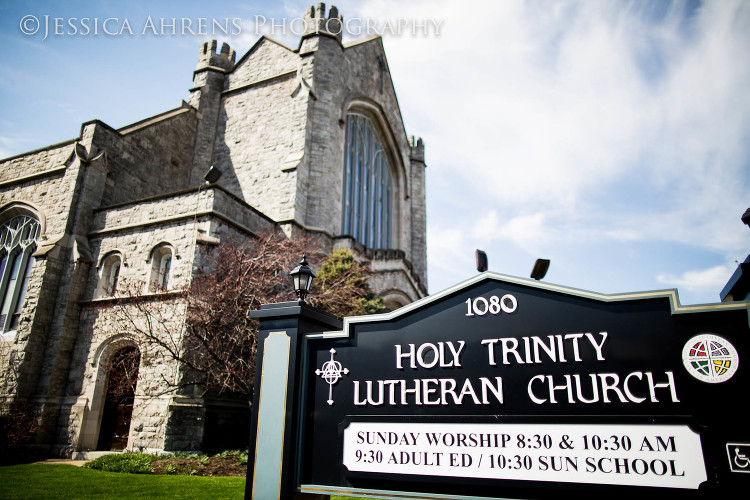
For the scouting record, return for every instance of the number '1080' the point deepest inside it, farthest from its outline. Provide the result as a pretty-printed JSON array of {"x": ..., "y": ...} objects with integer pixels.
[{"x": 496, "y": 305}]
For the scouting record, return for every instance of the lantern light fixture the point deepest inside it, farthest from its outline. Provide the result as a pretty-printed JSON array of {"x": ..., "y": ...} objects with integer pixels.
[{"x": 302, "y": 276}]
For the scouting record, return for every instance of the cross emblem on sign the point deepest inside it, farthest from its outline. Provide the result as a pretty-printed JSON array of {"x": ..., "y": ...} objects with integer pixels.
[{"x": 331, "y": 372}]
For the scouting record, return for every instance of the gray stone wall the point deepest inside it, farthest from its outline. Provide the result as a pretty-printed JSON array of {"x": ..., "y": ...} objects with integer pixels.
[
  {"x": 61, "y": 198},
  {"x": 75, "y": 258},
  {"x": 103, "y": 332},
  {"x": 261, "y": 134},
  {"x": 50, "y": 193},
  {"x": 180, "y": 220},
  {"x": 259, "y": 128},
  {"x": 266, "y": 59},
  {"x": 162, "y": 419},
  {"x": 145, "y": 211},
  {"x": 136, "y": 246},
  {"x": 35, "y": 162},
  {"x": 148, "y": 158}
]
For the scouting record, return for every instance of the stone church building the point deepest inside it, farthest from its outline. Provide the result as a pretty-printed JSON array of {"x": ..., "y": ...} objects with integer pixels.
[{"x": 308, "y": 140}]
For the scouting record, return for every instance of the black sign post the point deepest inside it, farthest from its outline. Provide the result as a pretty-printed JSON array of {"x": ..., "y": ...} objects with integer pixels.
[
  {"x": 503, "y": 387},
  {"x": 276, "y": 398}
]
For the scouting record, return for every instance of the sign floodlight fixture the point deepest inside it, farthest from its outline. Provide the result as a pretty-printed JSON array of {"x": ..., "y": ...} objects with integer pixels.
[
  {"x": 481, "y": 260},
  {"x": 213, "y": 175},
  {"x": 540, "y": 269}
]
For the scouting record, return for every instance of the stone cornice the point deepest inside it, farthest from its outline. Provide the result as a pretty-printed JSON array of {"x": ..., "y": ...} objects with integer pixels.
[
  {"x": 187, "y": 191},
  {"x": 31, "y": 177},
  {"x": 169, "y": 220},
  {"x": 257, "y": 83}
]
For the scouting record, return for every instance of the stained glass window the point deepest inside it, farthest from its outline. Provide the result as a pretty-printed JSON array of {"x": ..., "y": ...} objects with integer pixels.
[
  {"x": 368, "y": 191},
  {"x": 18, "y": 238}
]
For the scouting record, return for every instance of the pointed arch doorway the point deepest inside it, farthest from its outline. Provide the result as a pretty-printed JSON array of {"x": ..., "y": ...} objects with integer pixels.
[{"x": 122, "y": 378}]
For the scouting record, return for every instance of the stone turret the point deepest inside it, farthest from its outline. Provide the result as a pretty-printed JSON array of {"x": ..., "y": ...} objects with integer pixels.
[
  {"x": 418, "y": 207},
  {"x": 209, "y": 58},
  {"x": 417, "y": 148},
  {"x": 316, "y": 22},
  {"x": 205, "y": 96}
]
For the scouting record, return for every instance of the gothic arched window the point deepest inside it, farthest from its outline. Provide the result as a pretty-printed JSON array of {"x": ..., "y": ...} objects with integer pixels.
[
  {"x": 367, "y": 210},
  {"x": 18, "y": 238}
]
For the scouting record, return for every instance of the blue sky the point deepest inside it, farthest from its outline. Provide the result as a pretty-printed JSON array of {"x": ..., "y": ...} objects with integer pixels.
[{"x": 611, "y": 137}]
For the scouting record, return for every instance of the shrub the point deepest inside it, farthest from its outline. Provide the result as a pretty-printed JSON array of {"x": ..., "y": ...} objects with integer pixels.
[
  {"x": 170, "y": 469},
  {"x": 132, "y": 463},
  {"x": 240, "y": 454},
  {"x": 18, "y": 423},
  {"x": 228, "y": 453}
]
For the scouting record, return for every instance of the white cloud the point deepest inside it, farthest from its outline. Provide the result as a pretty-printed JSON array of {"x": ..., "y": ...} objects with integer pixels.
[
  {"x": 444, "y": 244},
  {"x": 9, "y": 146},
  {"x": 624, "y": 235},
  {"x": 553, "y": 128},
  {"x": 588, "y": 120},
  {"x": 529, "y": 232},
  {"x": 449, "y": 256},
  {"x": 699, "y": 280}
]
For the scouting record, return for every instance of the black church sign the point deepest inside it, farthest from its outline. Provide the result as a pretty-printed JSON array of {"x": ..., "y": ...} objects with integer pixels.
[{"x": 504, "y": 387}]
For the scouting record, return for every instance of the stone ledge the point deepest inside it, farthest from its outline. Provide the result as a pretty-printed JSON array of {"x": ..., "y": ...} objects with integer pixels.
[
  {"x": 31, "y": 177},
  {"x": 184, "y": 108},
  {"x": 173, "y": 194},
  {"x": 123, "y": 298},
  {"x": 190, "y": 216},
  {"x": 269, "y": 79}
]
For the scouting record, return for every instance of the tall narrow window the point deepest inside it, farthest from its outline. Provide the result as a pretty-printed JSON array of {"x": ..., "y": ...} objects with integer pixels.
[
  {"x": 18, "y": 238},
  {"x": 165, "y": 266},
  {"x": 110, "y": 275},
  {"x": 161, "y": 268},
  {"x": 367, "y": 198}
]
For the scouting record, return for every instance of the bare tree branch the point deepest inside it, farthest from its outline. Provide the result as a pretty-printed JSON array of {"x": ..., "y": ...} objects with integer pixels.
[{"x": 205, "y": 327}]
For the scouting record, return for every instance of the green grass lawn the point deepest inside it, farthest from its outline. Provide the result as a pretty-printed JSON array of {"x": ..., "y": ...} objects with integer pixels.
[
  {"x": 38, "y": 482},
  {"x": 67, "y": 481}
]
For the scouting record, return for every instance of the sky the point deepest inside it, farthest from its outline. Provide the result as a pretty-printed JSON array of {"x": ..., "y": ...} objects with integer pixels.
[{"x": 611, "y": 137}]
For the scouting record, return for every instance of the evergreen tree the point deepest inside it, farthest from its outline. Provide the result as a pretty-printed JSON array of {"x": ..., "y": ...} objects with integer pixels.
[{"x": 343, "y": 287}]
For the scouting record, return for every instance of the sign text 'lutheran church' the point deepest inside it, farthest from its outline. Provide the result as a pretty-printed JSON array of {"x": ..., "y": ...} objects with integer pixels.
[{"x": 504, "y": 387}]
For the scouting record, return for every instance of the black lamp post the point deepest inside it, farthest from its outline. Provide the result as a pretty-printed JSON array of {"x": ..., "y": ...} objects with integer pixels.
[{"x": 303, "y": 277}]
